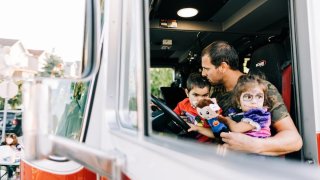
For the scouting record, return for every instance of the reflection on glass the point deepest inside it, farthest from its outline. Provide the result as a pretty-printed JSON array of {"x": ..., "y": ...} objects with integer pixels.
[
  {"x": 41, "y": 38},
  {"x": 68, "y": 101},
  {"x": 128, "y": 111},
  {"x": 129, "y": 56},
  {"x": 133, "y": 96},
  {"x": 102, "y": 13}
]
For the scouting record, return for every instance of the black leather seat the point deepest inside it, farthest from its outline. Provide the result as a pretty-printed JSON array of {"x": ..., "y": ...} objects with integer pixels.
[
  {"x": 268, "y": 60},
  {"x": 172, "y": 95}
]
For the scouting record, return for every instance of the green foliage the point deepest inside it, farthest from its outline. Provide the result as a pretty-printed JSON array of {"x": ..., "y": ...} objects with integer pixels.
[
  {"x": 53, "y": 67},
  {"x": 16, "y": 101},
  {"x": 1, "y": 104},
  {"x": 133, "y": 104},
  {"x": 160, "y": 77},
  {"x": 78, "y": 88},
  {"x": 71, "y": 120}
]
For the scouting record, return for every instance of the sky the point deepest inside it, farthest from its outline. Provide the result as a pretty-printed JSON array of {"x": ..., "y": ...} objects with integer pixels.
[{"x": 45, "y": 25}]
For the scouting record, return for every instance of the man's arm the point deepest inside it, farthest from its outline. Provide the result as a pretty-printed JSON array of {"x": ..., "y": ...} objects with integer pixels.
[{"x": 286, "y": 140}]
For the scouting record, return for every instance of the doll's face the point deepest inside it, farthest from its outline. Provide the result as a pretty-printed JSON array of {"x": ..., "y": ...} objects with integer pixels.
[
  {"x": 9, "y": 140},
  {"x": 209, "y": 111},
  {"x": 253, "y": 98}
]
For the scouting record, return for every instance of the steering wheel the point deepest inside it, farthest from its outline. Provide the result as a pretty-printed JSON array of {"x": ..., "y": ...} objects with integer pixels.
[{"x": 174, "y": 117}]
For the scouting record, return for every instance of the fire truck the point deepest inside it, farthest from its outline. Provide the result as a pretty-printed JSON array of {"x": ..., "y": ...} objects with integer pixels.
[{"x": 89, "y": 115}]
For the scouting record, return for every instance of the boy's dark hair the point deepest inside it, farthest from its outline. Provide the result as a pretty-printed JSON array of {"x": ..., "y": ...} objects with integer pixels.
[
  {"x": 196, "y": 80},
  {"x": 222, "y": 51},
  {"x": 248, "y": 81}
]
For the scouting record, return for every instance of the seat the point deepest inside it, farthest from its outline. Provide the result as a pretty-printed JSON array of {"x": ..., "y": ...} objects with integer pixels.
[
  {"x": 172, "y": 95},
  {"x": 267, "y": 60},
  {"x": 286, "y": 86}
]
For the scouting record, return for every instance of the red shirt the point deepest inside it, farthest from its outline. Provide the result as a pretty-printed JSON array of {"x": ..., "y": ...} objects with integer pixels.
[{"x": 185, "y": 106}]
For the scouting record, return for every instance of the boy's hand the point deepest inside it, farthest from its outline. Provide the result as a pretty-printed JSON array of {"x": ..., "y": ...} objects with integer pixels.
[
  {"x": 154, "y": 107},
  {"x": 184, "y": 117},
  {"x": 193, "y": 127}
]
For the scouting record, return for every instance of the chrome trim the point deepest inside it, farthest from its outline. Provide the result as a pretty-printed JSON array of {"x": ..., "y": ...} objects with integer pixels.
[
  {"x": 106, "y": 163},
  {"x": 35, "y": 119}
]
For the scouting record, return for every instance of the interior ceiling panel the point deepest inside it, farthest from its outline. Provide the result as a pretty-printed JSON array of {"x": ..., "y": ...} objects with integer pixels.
[
  {"x": 251, "y": 24},
  {"x": 167, "y": 9},
  {"x": 181, "y": 40}
]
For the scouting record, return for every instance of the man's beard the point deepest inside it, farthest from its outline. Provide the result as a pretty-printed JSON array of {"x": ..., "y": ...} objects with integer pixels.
[{"x": 217, "y": 83}]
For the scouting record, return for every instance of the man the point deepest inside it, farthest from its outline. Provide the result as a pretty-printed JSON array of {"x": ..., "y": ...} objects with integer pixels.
[{"x": 219, "y": 63}]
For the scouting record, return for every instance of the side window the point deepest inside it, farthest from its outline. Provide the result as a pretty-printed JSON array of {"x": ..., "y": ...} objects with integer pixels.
[
  {"x": 43, "y": 39},
  {"x": 161, "y": 77},
  {"x": 246, "y": 65},
  {"x": 11, "y": 108},
  {"x": 128, "y": 68},
  {"x": 128, "y": 99},
  {"x": 178, "y": 41}
]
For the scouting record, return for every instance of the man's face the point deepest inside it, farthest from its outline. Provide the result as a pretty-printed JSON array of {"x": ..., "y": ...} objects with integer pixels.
[
  {"x": 252, "y": 98},
  {"x": 210, "y": 71},
  {"x": 196, "y": 94}
]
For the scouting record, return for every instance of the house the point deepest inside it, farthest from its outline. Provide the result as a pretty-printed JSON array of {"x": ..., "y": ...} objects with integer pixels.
[
  {"x": 36, "y": 59},
  {"x": 16, "y": 60},
  {"x": 13, "y": 53}
]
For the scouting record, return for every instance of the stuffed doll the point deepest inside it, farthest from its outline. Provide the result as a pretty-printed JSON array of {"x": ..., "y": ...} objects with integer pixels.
[
  {"x": 210, "y": 110},
  {"x": 12, "y": 141},
  {"x": 259, "y": 118}
]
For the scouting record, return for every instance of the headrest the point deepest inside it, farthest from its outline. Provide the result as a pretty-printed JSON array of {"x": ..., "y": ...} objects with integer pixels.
[
  {"x": 266, "y": 60},
  {"x": 172, "y": 95}
]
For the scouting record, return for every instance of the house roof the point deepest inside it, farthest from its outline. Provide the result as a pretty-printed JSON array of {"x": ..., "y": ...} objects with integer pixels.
[
  {"x": 8, "y": 42},
  {"x": 36, "y": 53}
]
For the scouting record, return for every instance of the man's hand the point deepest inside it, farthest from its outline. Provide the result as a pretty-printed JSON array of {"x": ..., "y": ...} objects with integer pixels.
[
  {"x": 240, "y": 142},
  {"x": 286, "y": 140}
]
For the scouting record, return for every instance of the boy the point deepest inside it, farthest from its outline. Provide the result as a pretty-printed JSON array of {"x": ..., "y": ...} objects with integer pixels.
[{"x": 197, "y": 88}]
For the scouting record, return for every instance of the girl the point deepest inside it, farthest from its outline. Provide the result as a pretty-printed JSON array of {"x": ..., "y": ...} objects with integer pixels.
[{"x": 249, "y": 96}]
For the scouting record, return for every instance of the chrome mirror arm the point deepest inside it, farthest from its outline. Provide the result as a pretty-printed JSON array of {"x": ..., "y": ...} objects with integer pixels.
[{"x": 40, "y": 144}]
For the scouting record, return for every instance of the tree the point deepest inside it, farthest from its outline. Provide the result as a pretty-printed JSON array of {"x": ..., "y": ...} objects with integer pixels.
[
  {"x": 16, "y": 101},
  {"x": 160, "y": 77},
  {"x": 53, "y": 67}
]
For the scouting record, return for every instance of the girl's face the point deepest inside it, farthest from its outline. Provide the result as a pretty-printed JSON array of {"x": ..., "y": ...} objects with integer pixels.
[{"x": 253, "y": 98}]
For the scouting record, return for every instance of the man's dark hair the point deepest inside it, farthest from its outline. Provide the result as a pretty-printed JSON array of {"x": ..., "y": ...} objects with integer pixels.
[
  {"x": 196, "y": 80},
  {"x": 221, "y": 51}
]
